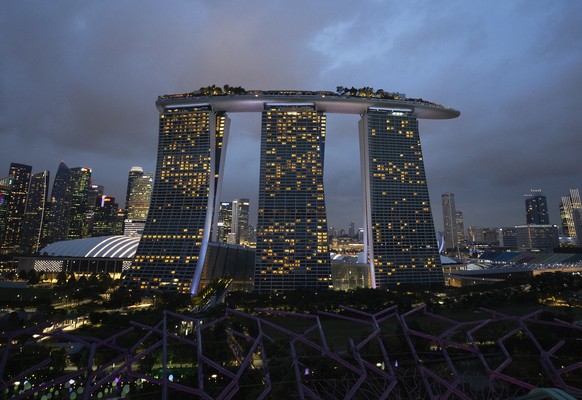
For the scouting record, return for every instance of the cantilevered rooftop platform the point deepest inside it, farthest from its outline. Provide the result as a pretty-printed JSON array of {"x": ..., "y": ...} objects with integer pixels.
[{"x": 327, "y": 102}]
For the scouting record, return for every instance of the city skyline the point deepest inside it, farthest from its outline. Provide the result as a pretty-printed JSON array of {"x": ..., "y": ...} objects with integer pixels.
[
  {"x": 148, "y": 177},
  {"x": 90, "y": 76}
]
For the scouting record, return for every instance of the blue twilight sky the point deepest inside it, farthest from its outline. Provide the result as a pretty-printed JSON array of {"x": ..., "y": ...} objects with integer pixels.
[{"x": 78, "y": 83}]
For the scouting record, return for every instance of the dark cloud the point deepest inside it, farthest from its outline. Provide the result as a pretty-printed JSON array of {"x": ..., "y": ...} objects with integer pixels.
[{"x": 78, "y": 83}]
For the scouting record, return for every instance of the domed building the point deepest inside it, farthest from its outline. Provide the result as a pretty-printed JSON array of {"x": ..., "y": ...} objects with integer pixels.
[{"x": 104, "y": 254}]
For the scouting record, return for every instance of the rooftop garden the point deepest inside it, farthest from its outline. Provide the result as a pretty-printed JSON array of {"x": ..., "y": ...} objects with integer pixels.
[{"x": 341, "y": 91}]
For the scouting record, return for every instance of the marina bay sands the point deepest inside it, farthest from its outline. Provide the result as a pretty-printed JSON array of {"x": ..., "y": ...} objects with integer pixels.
[{"x": 292, "y": 244}]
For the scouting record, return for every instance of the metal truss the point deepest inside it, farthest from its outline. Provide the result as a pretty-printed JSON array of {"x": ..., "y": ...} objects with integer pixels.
[{"x": 351, "y": 354}]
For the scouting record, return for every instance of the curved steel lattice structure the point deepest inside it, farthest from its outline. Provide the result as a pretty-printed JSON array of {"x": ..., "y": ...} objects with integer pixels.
[{"x": 350, "y": 355}]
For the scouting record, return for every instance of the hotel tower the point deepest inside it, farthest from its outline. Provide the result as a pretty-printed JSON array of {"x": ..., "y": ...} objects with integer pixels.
[
  {"x": 292, "y": 243},
  {"x": 186, "y": 192}
]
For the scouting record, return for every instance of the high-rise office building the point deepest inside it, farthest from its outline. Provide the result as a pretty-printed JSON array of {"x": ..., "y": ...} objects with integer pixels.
[
  {"x": 138, "y": 203},
  {"x": 35, "y": 214},
  {"x": 292, "y": 243},
  {"x": 352, "y": 229},
  {"x": 240, "y": 220},
  {"x": 224, "y": 224},
  {"x": 292, "y": 238},
  {"x": 400, "y": 236},
  {"x": 188, "y": 176},
  {"x": 19, "y": 180},
  {"x": 460, "y": 229},
  {"x": 449, "y": 220},
  {"x": 568, "y": 208},
  {"x": 134, "y": 174},
  {"x": 139, "y": 198},
  {"x": 60, "y": 206},
  {"x": 4, "y": 194},
  {"x": 536, "y": 208},
  {"x": 105, "y": 217},
  {"x": 80, "y": 187},
  {"x": 94, "y": 197}
]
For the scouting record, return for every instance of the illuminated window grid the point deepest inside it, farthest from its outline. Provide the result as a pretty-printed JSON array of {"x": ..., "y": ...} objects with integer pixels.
[
  {"x": 401, "y": 240},
  {"x": 168, "y": 252},
  {"x": 292, "y": 243}
]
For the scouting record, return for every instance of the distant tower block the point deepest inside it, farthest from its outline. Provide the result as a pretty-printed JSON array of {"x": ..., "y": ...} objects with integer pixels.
[
  {"x": 449, "y": 217},
  {"x": 240, "y": 220},
  {"x": 134, "y": 174},
  {"x": 186, "y": 192}
]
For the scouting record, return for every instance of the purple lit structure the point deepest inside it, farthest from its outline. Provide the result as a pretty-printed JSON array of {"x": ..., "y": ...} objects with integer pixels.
[{"x": 272, "y": 351}]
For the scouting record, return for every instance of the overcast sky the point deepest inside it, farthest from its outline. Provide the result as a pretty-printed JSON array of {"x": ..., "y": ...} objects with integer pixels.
[{"x": 79, "y": 80}]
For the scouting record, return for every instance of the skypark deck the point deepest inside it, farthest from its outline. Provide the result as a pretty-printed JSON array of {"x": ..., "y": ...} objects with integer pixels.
[{"x": 328, "y": 102}]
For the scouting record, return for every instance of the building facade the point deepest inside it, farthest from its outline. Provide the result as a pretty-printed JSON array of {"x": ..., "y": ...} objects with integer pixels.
[
  {"x": 134, "y": 174},
  {"x": 171, "y": 252},
  {"x": 536, "y": 208},
  {"x": 4, "y": 194},
  {"x": 18, "y": 182},
  {"x": 224, "y": 225},
  {"x": 240, "y": 221},
  {"x": 35, "y": 215},
  {"x": 400, "y": 239},
  {"x": 60, "y": 206},
  {"x": 569, "y": 206},
  {"x": 292, "y": 243},
  {"x": 140, "y": 196},
  {"x": 449, "y": 220},
  {"x": 138, "y": 202},
  {"x": 105, "y": 217},
  {"x": 460, "y": 229},
  {"x": 292, "y": 239},
  {"x": 537, "y": 237},
  {"x": 80, "y": 187}
]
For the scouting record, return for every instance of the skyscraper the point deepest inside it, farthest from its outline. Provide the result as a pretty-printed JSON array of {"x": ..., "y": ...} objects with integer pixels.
[
  {"x": 292, "y": 238},
  {"x": 569, "y": 205},
  {"x": 568, "y": 208},
  {"x": 400, "y": 236},
  {"x": 292, "y": 244},
  {"x": 449, "y": 220},
  {"x": 4, "y": 194},
  {"x": 94, "y": 197},
  {"x": 105, "y": 217},
  {"x": 536, "y": 208},
  {"x": 188, "y": 176},
  {"x": 139, "y": 198},
  {"x": 138, "y": 203},
  {"x": 224, "y": 225},
  {"x": 35, "y": 215},
  {"x": 134, "y": 174},
  {"x": 240, "y": 220},
  {"x": 19, "y": 180},
  {"x": 60, "y": 206},
  {"x": 460, "y": 229},
  {"x": 80, "y": 186},
  {"x": 571, "y": 212}
]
